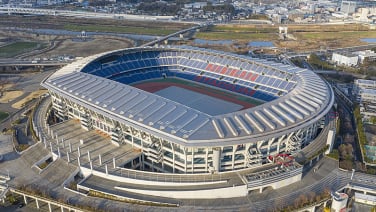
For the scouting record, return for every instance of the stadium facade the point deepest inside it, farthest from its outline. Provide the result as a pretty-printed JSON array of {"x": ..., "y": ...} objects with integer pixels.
[{"x": 176, "y": 138}]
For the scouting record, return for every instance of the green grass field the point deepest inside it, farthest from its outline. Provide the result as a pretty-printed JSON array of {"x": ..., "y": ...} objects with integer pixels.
[
  {"x": 212, "y": 89},
  {"x": 3, "y": 115},
  {"x": 16, "y": 48},
  {"x": 153, "y": 30},
  {"x": 243, "y": 33},
  {"x": 337, "y": 35}
]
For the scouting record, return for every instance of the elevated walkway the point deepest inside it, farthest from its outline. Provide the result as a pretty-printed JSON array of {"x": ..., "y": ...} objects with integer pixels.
[{"x": 34, "y": 154}]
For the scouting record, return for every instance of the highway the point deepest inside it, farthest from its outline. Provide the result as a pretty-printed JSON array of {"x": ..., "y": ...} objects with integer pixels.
[
  {"x": 81, "y": 14},
  {"x": 13, "y": 62}
]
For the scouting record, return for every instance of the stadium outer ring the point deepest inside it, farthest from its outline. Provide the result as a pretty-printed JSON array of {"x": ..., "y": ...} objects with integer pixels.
[{"x": 313, "y": 118}]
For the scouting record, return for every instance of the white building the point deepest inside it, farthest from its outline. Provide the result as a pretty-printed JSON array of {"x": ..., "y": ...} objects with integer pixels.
[
  {"x": 348, "y": 7},
  {"x": 365, "y": 93},
  {"x": 366, "y": 55},
  {"x": 339, "y": 202},
  {"x": 347, "y": 59},
  {"x": 353, "y": 58}
]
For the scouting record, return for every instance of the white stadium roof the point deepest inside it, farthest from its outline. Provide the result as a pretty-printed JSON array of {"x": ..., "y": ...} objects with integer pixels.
[{"x": 304, "y": 105}]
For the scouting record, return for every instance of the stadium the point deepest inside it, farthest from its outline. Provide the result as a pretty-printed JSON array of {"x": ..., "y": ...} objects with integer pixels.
[{"x": 193, "y": 110}]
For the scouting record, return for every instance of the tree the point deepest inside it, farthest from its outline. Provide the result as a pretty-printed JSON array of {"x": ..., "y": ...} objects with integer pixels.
[
  {"x": 311, "y": 197},
  {"x": 373, "y": 119}
]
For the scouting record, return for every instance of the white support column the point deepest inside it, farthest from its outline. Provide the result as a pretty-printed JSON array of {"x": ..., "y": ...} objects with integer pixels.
[
  {"x": 68, "y": 157},
  {"x": 62, "y": 141},
  {"x": 49, "y": 207},
  {"x": 62, "y": 208},
  {"x": 114, "y": 162},
  {"x": 37, "y": 203},
  {"x": 193, "y": 161},
  {"x": 100, "y": 159},
  {"x": 91, "y": 165},
  {"x": 105, "y": 165},
  {"x": 233, "y": 156},
  {"x": 58, "y": 151},
  {"x": 206, "y": 159},
  {"x": 25, "y": 199},
  {"x": 78, "y": 161},
  {"x": 51, "y": 146},
  {"x": 70, "y": 147}
]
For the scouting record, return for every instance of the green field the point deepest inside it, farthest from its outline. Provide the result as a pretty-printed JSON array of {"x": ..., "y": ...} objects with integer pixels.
[
  {"x": 239, "y": 33},
  {"x": 212, "y": 89},
  {"x": 3, "y": 115},
  {"x": 337, "y": 35},
  {"x": 16, "y": 48},
  {"x": 153, "y": 30}
]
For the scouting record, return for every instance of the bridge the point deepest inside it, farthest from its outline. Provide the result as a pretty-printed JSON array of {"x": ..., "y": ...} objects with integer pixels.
[{"x": 180, "y": 33}]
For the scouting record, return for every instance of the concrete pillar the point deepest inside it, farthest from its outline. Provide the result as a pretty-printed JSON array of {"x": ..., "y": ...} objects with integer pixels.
[
  {"x": 352, "y": 174},
  {"x": 100, "y": 159},
  {"x": 58, "y": 151},
  {"x": 105, "y": 165},
  {"x": 143, "y": 159},
  {"x": 261, "y": 190},
  {"x": 62, "y": 208},
  {"x": 91, "y": 165},
  {"x": 45, "y": 143},
  {"x": 70, "y": 147},
  {"x": 37, "y": 203},
  {"x": 217, "y": 159},
  {"x": 25, "y": 199},
  {"x": 88, "y": 155},
  {"x": 68, "y": 157},
  {"x": 78, "y": 161},
  {"x": 62, "y": 141},
  {"x": 310, "y": 163},
  {"x": 49, "y": 207},
  {"x": 51, "y": 146},
  {"x": 78, "y": 151},
  {"x": 114, "y": 162}
]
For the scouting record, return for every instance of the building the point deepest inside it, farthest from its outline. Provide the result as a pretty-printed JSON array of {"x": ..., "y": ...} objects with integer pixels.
[
  {"x": 347, "y": 59},
  {"x": 339, "y": 202},
  {"x": 177, "y": 138},
  {"x": 348, "y": 7},
  {"x": 368, "y": 55},
  {"x": 364, "y": 92},
  {"x": 360, "y": 85}
]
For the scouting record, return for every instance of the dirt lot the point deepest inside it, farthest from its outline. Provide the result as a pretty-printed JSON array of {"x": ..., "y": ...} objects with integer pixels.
[
  {"x": 85, "y": 48},
  {"x": 8, "y": 96},
  {"x": 35, "y": 94}
]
